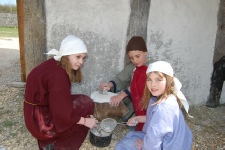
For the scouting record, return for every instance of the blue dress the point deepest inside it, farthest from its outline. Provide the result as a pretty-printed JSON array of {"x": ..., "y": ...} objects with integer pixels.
[{"x": 165, "y": 129}]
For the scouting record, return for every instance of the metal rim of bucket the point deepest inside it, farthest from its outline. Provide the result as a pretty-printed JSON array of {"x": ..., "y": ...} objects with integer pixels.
[{"x": 108, "y": 124}]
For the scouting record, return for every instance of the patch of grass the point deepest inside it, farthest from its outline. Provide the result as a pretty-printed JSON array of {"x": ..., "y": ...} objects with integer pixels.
[
  {"x": 9, "y": 32},
  {"x": 7, "y": 111},
  {"x": 8, "y": 8},
  {"x": 8, "y": 124},
  {"x": 13, "y": 134}
]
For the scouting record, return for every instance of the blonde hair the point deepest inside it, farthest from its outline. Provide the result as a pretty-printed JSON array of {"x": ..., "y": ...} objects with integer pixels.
[
  {"x": 74, "y": 75},
  {"x": 168, "y": 90}
]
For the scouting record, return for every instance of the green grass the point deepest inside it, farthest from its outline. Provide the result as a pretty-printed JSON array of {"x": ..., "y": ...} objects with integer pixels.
[
  {"x": 8, "y": 8},
  {"x": 8, "y": 32},
  {"x": 8, "y": 124}
]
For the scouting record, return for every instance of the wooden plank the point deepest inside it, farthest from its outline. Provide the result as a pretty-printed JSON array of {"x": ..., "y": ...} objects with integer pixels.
[{"x": 20, "y": 18}]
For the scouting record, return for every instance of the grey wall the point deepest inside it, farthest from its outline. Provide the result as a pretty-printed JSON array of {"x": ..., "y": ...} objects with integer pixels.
[
  {"x": 8, "y": 19},
  {"x": 102, "y": 25},
  {"x": 180, "y": 32},
  {"x": 183, "y": 33}
]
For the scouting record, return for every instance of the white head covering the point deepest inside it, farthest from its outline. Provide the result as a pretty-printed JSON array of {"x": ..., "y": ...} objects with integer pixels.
[
  {"x": 165, "y": 67},
  {"x": 70, "y": 45}
]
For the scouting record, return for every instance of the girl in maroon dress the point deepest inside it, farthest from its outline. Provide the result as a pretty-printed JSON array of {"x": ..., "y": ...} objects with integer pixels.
[{"x": 51, "y": 113}]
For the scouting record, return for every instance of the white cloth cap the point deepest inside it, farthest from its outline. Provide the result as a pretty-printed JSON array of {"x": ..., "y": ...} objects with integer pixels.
[
  {"x": 70, "y": 45},
  {"x": 160, "y": 66},
  {"x": 165, "y": 67}
]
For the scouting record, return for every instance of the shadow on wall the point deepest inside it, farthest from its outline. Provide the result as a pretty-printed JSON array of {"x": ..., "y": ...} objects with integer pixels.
[{"x": 216, "y": 86}]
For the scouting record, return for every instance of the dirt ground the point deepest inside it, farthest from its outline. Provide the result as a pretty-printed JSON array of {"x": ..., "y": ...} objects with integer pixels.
[{"x": 208, "y": 124}]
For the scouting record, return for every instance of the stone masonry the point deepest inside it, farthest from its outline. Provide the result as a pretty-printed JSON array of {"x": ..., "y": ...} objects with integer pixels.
[{"x": 8, "y": 19}]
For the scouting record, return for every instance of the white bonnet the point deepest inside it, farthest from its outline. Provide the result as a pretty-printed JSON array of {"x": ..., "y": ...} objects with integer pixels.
[
  {"x": 161, "y": 66},
  {"x": 70, "y": 45}
]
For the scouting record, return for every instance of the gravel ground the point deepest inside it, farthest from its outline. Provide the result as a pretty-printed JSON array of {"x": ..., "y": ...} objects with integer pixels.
[{"x": 208, "y": 124}]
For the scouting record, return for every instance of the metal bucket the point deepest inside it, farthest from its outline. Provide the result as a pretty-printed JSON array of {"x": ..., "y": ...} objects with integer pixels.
[{"x": 100, "y": 138}]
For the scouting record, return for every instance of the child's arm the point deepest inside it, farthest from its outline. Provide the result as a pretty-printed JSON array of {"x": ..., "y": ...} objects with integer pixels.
[{"x": 135, "y": 120}]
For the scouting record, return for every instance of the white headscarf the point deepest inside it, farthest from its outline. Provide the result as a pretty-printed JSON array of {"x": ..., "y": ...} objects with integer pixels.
[
  {"x": 165, "y": 67},
  {"x": 70, "y": 45}
]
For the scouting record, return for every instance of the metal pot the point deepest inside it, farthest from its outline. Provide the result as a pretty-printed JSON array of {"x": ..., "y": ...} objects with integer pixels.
[{"x": 99, "y": 138}]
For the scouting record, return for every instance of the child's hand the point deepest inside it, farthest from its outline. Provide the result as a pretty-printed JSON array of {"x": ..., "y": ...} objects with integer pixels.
[
  {"x": 90, "y": 122},
  {"x": 115, "y": 100},
  {"x": 103, "y": 86},
  {"x": 132, "y": 121},
  {"x": 139, "y": 144}
]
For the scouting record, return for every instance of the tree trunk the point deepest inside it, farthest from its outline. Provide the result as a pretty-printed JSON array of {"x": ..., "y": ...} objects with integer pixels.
[{"x": 34, "y": 33}]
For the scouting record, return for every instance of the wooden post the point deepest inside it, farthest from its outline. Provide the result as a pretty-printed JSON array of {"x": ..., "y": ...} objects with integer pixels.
[
  {"x": 34, "y": 33},
  {"x": 20, "y": 18}
]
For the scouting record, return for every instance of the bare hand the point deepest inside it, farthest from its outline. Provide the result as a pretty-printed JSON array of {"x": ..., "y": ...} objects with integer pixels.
[
  {"x": 132, "y": 121},
  {"x": 115, "y": 100},
  {"x": 139, "y": 144},
  {"x": 104, "y": 85},
  {"x": 90, "y": 122}
]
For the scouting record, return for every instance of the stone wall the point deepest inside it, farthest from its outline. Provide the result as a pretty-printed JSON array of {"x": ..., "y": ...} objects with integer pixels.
[
  {"x": 180, "y": 32},
  {"x": 8, "y": 19}
]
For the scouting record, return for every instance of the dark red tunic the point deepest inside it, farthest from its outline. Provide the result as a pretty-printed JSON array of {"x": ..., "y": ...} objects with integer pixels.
[
  {"x": 137, "y": 91},
  {"x": 53, "y": 113}
]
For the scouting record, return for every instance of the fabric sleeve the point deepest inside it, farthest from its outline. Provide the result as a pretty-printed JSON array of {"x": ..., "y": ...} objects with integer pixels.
[
  {"x": 123, "y": 79},
  {"x": 160, "y": 127},
  {"x": 127, "y": 91},
  {"x": 60, "y": 101}
]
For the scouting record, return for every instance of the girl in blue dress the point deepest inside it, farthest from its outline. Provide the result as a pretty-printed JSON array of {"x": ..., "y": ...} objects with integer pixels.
[{"x": 165, "y": 127}]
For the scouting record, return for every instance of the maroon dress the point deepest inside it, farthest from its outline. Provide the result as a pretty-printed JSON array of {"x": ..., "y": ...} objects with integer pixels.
[{"x": 51, "y": 113}]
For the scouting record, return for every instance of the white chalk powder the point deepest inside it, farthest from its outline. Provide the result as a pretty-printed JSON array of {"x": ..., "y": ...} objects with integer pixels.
[{"x": 102, "y": 98}]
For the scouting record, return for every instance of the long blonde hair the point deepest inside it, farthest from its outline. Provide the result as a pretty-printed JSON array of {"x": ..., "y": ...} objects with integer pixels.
[
  {"x": 74, "y": 75},
  {"x": 168, "y": 90}
]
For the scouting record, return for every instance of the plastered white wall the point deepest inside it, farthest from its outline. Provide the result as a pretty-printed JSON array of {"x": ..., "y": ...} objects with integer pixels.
[
  {"x": 102, "y": 25},
  {"x": 181, "y": 32}
]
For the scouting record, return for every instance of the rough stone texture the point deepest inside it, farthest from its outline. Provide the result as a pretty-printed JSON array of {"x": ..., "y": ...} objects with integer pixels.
[
  {"x": 8, "y": 19},
  {"x": 208, "y": 124},
  {"x": 138, "y": 21},
  {"x": 179, "y": 32}
]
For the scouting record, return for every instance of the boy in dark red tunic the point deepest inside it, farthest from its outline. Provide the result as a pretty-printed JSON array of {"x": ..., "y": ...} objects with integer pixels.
[
  {"x": 52, "y": 114},
  {"x": 130, "y": 82}
]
